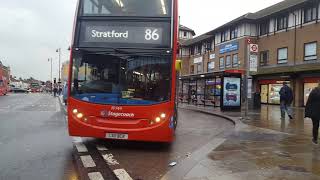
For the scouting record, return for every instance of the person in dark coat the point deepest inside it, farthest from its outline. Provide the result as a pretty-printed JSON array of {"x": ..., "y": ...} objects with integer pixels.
[
  {"x": 313, "y": 111},
  {"x": 286, "y": 98}
]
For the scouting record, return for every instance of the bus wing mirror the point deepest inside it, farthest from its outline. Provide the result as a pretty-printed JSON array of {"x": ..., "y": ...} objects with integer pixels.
[{"x": 178, "y": 65}]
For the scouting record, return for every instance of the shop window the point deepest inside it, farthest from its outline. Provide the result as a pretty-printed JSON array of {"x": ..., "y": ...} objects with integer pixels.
[
  {"x": 234, "y": 32},
  {"x": 310, "y": 14},
  {"x": 308, "y": 87},
  {"x": 264, "y": 56},
  {"x": 199, "y": 68},
  {"x": 221, "y": 63},
  {"x": 282, "y": 55},
  {"x": 282, "y": 23},
  {"x": 264, "y": 28},
  {"x": 310, "y": 51},
  {"x": 235, "y": 60},
  {"x": 228, "y": 61},
  {"x": 192, "y": 69}
]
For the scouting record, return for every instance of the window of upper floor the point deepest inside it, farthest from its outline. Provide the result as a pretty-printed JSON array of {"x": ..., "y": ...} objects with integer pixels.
[
  {"x": 221, "y": 63},
  {"x": 210, "y": 66},
  {"x": 310, "y": 14},
  {"x": 234, "y": 32},
  {"x": 283, "y": 55},
  {"x": 235, "y": 60},
  {"x": 224, "y": 36},
  {"x": 208, "y": 46},
  {"x": 282, "y": 22},
  {"x": 199, "y": 49},
  {"x": 192, "y": 51},
  {"x": 184, "y": 34},
  {"x": 228, "y": 61},
  {"x": 199, "y": 68},
  {"x": 264, "y": 28},
  {"x": 264, "y": 57},
  {"x": 310, "y": 51},
  {"x": 192, "y": 69}
]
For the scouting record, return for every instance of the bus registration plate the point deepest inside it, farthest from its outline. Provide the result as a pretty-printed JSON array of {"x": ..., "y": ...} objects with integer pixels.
[{"x": 116, "y": 136}]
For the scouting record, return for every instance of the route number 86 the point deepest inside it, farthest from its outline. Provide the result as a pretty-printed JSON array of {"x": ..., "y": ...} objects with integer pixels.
[{"x": 152, "y": 35}]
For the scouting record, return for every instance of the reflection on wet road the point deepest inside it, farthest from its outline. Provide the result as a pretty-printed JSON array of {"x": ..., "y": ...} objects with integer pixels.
[
  {"x": 150, "y": 160},
  {"x": 34, "y": 143}
]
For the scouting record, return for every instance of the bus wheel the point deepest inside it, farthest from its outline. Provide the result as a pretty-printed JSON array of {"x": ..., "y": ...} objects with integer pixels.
[{"x": 175, "y": 119}]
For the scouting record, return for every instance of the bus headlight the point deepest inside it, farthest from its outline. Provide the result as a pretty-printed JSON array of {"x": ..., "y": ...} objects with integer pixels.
[
  {"x": 158, "y": 119},
  {"x": 79, "y": 115},
  {"x": 163, "y": 115},
  {"x": 75, "y": 111}
]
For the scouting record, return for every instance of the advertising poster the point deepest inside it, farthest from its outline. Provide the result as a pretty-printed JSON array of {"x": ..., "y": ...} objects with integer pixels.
[{"x": 231, "y": 92}]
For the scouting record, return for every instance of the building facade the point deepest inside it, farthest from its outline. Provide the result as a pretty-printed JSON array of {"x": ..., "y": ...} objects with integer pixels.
[{"x": 287, "y": 35}]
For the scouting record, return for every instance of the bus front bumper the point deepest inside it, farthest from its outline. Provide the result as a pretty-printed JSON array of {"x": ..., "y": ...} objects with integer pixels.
[{"x": 158, "y": 133}]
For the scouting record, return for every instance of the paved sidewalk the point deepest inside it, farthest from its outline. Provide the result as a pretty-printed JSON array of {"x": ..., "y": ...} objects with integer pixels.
[{"x": 263, "y": 147}]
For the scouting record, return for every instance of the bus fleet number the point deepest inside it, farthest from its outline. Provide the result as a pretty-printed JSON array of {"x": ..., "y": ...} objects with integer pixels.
[{"x": 152, "y": 35}]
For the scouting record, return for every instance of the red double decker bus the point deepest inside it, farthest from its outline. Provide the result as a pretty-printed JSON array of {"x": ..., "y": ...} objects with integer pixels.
[{"x": 122, "y": 77}]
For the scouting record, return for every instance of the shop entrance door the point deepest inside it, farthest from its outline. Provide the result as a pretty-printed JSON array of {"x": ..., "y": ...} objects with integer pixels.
[{"x": 264, "y": 94}]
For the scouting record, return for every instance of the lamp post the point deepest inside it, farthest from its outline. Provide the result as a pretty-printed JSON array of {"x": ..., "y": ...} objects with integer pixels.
[
  {"x": 50, "y": 59},
  {"x": 59, "y": 51}
]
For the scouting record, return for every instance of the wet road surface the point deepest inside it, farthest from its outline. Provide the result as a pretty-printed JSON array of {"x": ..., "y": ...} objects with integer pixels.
[
  {"x": 149, "y": 161},
  {"x": 34, "y": 143}
]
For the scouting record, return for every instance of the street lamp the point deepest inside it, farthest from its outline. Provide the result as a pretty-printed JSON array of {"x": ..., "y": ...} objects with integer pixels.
[
  {"x": 50, "y": 60},
  {"x": 59, "y": 51}
]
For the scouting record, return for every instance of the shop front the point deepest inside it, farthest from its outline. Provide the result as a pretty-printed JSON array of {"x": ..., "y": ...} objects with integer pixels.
[
  {"x": 269, "y": 90},
  {"x": 309, "y": 83}
]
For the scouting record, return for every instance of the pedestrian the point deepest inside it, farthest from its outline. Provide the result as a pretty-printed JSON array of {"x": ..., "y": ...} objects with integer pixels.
[
  {"x": 313, "y": 111},
  {"x": 286, "y": 99},
  {"x": 55, "y": 89}
]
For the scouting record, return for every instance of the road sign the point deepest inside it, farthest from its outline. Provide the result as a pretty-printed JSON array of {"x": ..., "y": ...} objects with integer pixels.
[
  {"x": 249, "y": 41},
  {"x": 254, "y": 48},
  {"x": 253, "y": 63}
]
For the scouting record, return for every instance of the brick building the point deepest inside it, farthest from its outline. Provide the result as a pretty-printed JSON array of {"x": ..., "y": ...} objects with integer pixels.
[{"x": 288, "y": 37}]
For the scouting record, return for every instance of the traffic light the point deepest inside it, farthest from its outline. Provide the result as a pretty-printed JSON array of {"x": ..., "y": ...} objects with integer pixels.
[{"x": 55, "y": 80}]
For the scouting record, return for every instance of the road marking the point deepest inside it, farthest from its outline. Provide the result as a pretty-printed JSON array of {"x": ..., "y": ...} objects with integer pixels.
[
  {"x": 109, "y": 159},
  {"x": 87, "y": 161},
  {"x": 95, "y": 176},
  {"x": 122, "y": 174},
  {"x": 101, "y": 148},
  {"x": 81, "y": 147}
]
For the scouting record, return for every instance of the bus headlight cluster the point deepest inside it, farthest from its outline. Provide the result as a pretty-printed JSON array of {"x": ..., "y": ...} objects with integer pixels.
[
  {"x": 158, "y": 119},
  {"x": 78, "y": 114}
]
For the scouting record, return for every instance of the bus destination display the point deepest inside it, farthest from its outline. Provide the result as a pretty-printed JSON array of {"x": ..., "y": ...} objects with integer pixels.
[{"x": 120, "y": 34}]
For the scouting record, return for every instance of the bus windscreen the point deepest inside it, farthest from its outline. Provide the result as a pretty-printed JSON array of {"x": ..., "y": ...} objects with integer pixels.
[
  {"x": 143, "y": 8},
  {"x": 121, "y": 80}
]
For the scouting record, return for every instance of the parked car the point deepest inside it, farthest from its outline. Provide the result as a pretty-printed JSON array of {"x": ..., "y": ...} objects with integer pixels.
[{"x": 19, "y": 90}]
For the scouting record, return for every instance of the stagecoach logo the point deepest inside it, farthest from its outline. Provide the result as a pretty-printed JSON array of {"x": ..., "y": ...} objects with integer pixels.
[{"x": 106, "y": 113}]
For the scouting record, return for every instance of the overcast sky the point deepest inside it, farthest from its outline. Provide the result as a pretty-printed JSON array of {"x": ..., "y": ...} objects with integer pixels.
[{"x": 32, "y": 30}]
